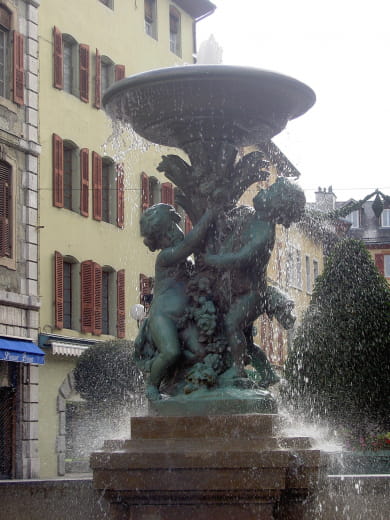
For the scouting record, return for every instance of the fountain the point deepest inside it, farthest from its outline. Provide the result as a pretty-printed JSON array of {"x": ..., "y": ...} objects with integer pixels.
[{"x": 210, "y": 446}]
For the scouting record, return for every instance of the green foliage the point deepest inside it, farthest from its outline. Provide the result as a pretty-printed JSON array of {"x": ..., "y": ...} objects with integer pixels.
[
  {"x": 106, "y": 373},
  {"x": 339, "y": 366}
]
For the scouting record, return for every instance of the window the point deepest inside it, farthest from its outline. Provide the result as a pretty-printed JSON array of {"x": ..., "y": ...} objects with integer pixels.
[
  {"x": 70, "y": 176},
  {"x": 315, "y": 270},
  {"x": 108, "y": 190},
  {"x": 106, "y": 73},
  {"x": 152, "y": 192},
  {"x": 146, "y": 291},
  {"x": 6, "y": 206},
  {"x": 294, "y": 268},
  {"x": 174, "y": 31},
  {"x": 11, "y": 59},
  {"x": 354, "y": 218},
  {"x": 108, "y": 301},
  {"x": 385, "y": 218},
  {"x": 150, "y": 18},
  {"x": 308, "y": 274},
  {"x": 387, "y": 265},
  {"x": 109, "y": 198},
  {"x": 71, "y": 65},
  {"x": 66, "y": 292},
  {"x": 5, "y": 26},
  {"x": 382, "y": 262},
  {"x": 92, "y": 304}
]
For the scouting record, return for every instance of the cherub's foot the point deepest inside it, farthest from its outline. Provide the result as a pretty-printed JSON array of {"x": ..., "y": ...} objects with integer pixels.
[{"x": 152, "y": 393}]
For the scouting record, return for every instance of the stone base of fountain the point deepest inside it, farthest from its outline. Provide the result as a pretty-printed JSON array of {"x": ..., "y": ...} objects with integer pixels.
[{"x": 216, "y": 466}]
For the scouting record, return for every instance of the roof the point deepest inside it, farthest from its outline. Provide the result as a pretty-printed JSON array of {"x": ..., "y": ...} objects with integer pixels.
[
  {"x": 198, "y": 9},
  {"x": 284, "y": 166}
]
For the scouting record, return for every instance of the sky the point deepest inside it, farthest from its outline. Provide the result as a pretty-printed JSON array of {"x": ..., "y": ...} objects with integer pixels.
[{"x": 341, "y": 49}]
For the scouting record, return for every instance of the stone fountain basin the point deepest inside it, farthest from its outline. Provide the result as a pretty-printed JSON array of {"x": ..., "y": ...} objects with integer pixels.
[{"x": 179, "y": 105}]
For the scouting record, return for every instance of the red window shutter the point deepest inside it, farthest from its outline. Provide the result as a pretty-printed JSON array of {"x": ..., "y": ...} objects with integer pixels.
[
  {"x": 59, "y": 290},
  {"x": 58, "y": 58},
  {"x": 187, "y": 224},
  {"x": 120, "y": 196},
  {"x": 167, "y": 193},
  {"x": 84, "y": 181},
  {"x": 97, "y": 185},
  {"x": 87, "y": 296},
  {"x": 121, "y": 308},
  {"x": 18, "y": 68},
  {"x": 5, "y": 190},
  {"x": 119, "y": 72},
  {"x": 58, "y": 172},
  {"x": 380, "y": 262},
  {"x": 98, "y": 300},
  {"x": 145, "y": 194},
  {"x": 84, "y": 72},
  {"x": 98, "y": 76}
]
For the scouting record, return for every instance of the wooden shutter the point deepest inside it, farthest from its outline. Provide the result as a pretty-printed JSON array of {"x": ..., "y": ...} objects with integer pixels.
[
  {"x": 97, "y": 185},
  {"x": 119, "y": 72},
  {"x": 84, "y": 181},
  {"x": 58, "y": 171},
  {"x": 380, "y": 262},
  {"x": 121, "y": 308},
  {"x": 18, "y": 68},
  {"x": 87, "y": 296},
  {"x": 5, "y": 192},
  {"x": 145, "y": 194},
  {"x": 187, "y": 224},
  {"x": 58, "y": 59},
  {"x": 84, "y": 72},
  {"x": 120, "y": 196},
  {"x": 98, "y": 300},
  {"x": 98, "y": 80},
  {"x": 58, "y": 290},
  {"x": 167, "y": 193}
]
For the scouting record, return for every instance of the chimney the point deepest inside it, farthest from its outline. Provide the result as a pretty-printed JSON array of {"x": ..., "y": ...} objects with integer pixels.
[{"x": 325, "y": 199}]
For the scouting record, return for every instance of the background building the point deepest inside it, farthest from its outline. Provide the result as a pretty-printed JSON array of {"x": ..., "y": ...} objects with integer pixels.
[{"x": 19, "y": 295}]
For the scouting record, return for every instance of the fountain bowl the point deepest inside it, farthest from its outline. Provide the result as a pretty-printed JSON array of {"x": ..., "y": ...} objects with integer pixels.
[{"x": 176, "y": 106}]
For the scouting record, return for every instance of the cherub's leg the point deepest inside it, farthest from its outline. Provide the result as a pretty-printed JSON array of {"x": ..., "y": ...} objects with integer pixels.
[
  {"x": 165, "y": 338},
  {"x": 243, "y": 311}
]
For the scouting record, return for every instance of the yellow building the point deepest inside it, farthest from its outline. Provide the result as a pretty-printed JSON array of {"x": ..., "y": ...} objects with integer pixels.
[{"x": 91, "y": 254}]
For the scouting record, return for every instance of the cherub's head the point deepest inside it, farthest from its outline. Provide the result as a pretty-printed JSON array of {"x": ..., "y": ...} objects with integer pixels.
[
  {"x": 159, "y": 227},
  {"x": 283, "y": 202}
]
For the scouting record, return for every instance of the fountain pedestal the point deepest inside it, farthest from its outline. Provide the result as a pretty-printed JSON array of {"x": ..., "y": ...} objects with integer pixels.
[{"x": 220, "y": 467}]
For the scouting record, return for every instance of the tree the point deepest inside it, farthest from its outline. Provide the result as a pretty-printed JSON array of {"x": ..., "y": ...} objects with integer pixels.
[
  {"x": 106, "y": 373},
  {"x": 339, "y": 366}
]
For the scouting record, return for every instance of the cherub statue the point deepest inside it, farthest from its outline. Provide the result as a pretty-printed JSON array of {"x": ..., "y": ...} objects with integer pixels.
[
  {"x": 245, "y": 253},
  {"x": 159, "y": 227}
]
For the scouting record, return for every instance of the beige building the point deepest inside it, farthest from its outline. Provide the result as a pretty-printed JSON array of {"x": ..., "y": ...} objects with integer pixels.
[
  {"x": 91, "y": 179},
  {"x": 20, "y": 358}
]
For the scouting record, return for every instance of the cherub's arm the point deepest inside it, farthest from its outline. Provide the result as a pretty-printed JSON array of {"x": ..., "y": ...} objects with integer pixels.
[
  {"x": 245, "y": 255},
  {"x": 188, "y": 245}
]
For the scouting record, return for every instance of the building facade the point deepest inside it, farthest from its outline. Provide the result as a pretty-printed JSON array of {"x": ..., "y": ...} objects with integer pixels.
[
  {"x": 95, "y": 180},
  {"x": 19, "y": 294},
  {"x": 374, "y": 231}
]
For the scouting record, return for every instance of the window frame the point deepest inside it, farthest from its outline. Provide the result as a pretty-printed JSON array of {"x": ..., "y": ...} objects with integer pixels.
[
  {"x": 9, "y": 260},
  {"x": 175, "y": 37},
  {"x": 386, "y": 265},
  {"x": 385, "y": 218},
  {"x": 150, "y": 21},
  {"x": 355, "y": 219}
]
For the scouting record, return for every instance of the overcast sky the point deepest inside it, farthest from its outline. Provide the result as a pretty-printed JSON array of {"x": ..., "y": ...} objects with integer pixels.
[{"x": 341, "y": 49}]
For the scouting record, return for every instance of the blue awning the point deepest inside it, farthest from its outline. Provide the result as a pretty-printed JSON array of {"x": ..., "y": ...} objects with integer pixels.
[{"x": 20, "y": 350}]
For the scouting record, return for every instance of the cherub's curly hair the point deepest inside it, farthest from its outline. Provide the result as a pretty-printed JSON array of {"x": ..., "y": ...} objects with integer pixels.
[
  {"x": 289, "y": 197},
  {"x": 156, "y": 221}
]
